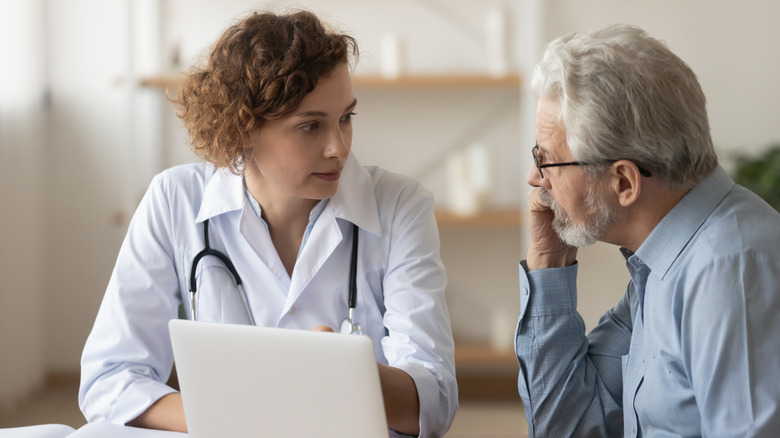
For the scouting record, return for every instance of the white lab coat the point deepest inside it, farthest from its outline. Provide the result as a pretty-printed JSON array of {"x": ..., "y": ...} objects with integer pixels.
[{"x": 400, "y": 282}]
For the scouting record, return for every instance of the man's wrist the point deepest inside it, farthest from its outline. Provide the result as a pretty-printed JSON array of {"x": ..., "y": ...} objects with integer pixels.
[{"x": 555, "y": 260}]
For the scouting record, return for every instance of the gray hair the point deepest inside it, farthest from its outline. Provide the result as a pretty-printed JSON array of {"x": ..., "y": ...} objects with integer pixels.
[{"x": 625, "y": 95}]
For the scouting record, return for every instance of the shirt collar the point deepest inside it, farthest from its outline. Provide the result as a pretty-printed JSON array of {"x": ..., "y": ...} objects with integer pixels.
[
  {"x": 355, "y": 201},
  {"x": 678, "y": 227}
]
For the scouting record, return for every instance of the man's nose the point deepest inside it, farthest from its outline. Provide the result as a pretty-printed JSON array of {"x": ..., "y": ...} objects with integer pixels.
[{"x": 533, "y": 178}]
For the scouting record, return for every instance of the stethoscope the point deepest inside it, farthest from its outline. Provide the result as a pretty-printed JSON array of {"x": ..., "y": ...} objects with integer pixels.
[{"x": 349, "y": 325}]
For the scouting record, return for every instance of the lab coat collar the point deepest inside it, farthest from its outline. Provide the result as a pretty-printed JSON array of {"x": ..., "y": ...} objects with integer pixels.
[
  {"x": 355, "y": 201},
  {"x": 224, "y": 192}
]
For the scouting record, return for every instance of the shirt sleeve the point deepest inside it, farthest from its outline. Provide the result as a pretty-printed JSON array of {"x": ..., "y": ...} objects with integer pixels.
[
  {"x": 419, "y": 336},
  {"x": 127, "y": 357},
  {"x": 570, "y": 384}
]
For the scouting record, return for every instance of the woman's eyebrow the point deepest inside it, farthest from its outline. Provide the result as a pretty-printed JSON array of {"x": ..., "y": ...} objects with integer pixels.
[{"x": 317, "y": 113}]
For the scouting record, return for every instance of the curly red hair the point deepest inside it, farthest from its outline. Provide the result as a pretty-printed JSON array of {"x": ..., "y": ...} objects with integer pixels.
[{"x": 259, "y": 69}]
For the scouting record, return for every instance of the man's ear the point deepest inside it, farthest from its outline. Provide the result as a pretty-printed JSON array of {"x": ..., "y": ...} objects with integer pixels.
[{"x": 626, "y": 182}]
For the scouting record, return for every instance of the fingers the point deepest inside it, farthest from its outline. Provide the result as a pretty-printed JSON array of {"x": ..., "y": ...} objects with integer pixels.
[
  {"x": 546, "y": 250},
  {"x": 540, "y": 218},
  {"x": 535, "y": 203},
  {"x": 322, "y": 328}
]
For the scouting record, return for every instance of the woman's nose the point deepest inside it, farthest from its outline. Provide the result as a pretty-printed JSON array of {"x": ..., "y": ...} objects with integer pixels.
[{"x": 338, "y": 146}]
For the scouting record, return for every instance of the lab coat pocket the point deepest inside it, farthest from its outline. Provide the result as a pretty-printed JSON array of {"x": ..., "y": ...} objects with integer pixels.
[{"x": 217, "y": 298}]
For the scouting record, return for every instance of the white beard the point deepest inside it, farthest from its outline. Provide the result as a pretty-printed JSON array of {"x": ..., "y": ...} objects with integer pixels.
[{"x": 599, "y": 217}]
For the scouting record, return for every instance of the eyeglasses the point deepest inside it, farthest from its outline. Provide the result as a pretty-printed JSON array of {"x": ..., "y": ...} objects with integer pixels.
[
  {"x": 538, "y": 160},
  {"x": 540, "y": 165}
]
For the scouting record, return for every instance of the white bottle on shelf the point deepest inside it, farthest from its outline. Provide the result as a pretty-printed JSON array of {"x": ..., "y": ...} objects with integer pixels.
[
  {"x": 496, "y": 41},
  {"x": 391, "y": 52}
]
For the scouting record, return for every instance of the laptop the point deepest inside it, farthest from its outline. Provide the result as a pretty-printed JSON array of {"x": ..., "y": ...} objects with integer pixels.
[{"x": 241, "y": 381}]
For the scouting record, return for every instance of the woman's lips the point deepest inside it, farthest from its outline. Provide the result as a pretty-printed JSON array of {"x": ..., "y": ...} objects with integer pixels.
[{"x": 329, "y": 176}]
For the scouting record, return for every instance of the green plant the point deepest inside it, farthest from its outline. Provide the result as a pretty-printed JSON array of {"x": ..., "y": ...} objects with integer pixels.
[{"x": 761, "y": 174}]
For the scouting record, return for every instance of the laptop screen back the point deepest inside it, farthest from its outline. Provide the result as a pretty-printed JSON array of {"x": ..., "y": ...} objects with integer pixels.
[{"x": 268, "y": 382}]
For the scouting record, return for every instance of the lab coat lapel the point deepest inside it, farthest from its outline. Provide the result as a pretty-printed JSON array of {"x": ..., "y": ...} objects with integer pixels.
[
  {"x": 258, "y": 238},
  {"x": 224, "y": 192},
  {"x": 323, "y": 240},
  {"x": 354, "y": 203}
]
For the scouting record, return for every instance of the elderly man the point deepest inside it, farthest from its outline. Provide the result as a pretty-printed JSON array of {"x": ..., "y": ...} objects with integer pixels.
[{"x": 624, "y": 155}]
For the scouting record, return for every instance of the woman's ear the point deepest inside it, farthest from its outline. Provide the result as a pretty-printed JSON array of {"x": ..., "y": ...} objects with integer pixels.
[{"x": 626, "y": 181}]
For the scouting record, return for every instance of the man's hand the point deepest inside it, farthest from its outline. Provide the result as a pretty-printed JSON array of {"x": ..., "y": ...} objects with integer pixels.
[{"x": 546, "y": 249}]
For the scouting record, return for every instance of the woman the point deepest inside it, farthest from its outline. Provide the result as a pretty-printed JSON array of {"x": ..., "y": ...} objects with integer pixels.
[{"x": 271, "y": 114}]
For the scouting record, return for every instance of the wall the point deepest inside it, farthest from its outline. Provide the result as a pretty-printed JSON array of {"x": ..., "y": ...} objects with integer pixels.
[
  {"x": 22, "y": 210},
  {"x": 101, "y": 154},
  {"x": 90, "y": 161}
]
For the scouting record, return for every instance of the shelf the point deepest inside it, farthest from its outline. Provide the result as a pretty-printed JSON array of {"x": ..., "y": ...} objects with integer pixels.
[
  {"x": 485, "y": 373},
  {"x": 513, "y": 81},
  {"x": 479, "y": 355},
  {"x": 160, "y": 81},
  {"x": 438, "y": 81},
  {"x": 489, "y": 218}
]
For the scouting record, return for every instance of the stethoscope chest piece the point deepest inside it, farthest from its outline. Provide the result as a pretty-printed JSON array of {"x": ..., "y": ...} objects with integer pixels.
[{"x": 349, "y": 326}]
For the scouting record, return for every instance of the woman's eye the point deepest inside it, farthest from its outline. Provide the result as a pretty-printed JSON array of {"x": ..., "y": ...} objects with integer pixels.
[
  {"x": 309, "y": 127},
  {"x": 347, "y": 118}
]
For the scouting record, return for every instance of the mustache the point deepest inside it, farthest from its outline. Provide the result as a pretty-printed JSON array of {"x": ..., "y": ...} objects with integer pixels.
[{"x": 548, "y": 200}]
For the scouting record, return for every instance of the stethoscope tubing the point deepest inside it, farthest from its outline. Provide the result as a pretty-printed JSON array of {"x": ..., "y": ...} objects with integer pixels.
[
  {"x": 208, "y": 251},
  {"x": 352, "y": 299}
]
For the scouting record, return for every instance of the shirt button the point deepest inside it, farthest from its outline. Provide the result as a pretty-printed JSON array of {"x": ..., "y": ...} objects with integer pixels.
[
  {"x": 525, "y": 291},
  {"x": 292, "y": 310}
]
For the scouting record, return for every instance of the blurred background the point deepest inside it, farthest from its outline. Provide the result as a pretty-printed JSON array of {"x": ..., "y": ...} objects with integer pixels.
[{"x": 85, "y": 124}]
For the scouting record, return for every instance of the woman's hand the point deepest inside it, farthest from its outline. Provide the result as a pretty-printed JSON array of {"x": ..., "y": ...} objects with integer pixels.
[
  {"x": 402, "y": 406},
  {"x": 167, "y": 413}
]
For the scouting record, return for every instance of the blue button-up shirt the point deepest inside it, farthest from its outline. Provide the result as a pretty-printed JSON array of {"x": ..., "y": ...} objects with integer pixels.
[{"x": 691, "y": 349}]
